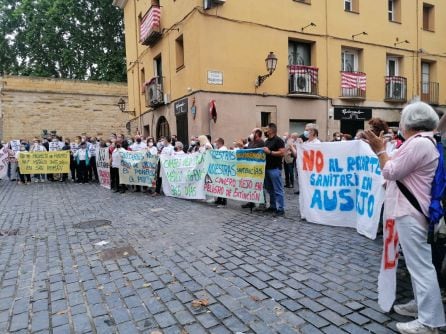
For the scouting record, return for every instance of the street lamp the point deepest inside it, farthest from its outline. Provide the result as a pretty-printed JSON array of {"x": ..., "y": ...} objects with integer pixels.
[
  {"x": 121, "y": 106},
  {"x": 271, "y": 64}
]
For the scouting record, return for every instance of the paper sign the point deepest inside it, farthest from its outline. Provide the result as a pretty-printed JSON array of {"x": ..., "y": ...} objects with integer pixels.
[
  {"x": 15, "y": 145},
  {"x": 103, "y": 166}
]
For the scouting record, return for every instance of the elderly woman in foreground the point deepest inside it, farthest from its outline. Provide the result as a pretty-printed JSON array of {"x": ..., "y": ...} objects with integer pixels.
[{"x": 414, "y": 165}]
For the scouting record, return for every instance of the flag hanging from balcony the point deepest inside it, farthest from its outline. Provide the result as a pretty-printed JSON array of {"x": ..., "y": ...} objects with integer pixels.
[
  {"x": 302, "y": 70},
  {"x": 150, "y": 22},
  {"x": 354, "y": 80}
]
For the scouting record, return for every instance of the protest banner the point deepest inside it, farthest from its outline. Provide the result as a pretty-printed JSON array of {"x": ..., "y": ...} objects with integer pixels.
[
  {"x": 389, "y": 265},
  {"x": 53, "y": 146},
  {"x": 340, "y": 185},
  {"x": 183, "y": 175},
  {"x": 3, "y": 162},
  {"x": 138, "y": 168},
  {"x": 103, "y": 166},
  {"x": 15, "y": 145},
  {"x": 236, "y": 175},
  {"x": 44, "y": 162}
]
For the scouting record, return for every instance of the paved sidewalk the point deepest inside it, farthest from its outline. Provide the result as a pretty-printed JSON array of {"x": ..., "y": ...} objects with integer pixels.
[{"x": 174, "y": 266}]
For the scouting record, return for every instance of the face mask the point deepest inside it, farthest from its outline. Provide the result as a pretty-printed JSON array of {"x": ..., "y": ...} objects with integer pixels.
[
  {"x": 54, "y": 140},
  {"x": 251, "y": 136},
  {"x": 338, "y": 138},
  {"x": 22, "y": 148},
  {"x": 150, "y": 144},
  {"x": 107, "y": 144},
  {"x": 306, "y": 134},
  {"x": 138, "y": 140},
  {"x": 193, "y": 143}
]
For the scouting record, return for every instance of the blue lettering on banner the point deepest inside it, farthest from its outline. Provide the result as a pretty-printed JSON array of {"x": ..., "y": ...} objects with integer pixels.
[
  {"x": 365, "y": 202},
  {"x": 218, "y": 169}
]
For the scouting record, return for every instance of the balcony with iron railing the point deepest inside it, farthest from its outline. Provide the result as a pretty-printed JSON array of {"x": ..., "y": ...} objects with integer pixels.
[
  {"x": 353, "y": 85},
  {"x": 396, "y": 89},
  {"x": 150, "y": 29},
  {"x": 302, "y": 80},
  {"x": 429, "y": 92}
]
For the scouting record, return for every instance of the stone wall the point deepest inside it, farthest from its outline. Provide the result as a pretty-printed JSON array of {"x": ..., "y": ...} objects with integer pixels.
[{"x": 29, "y": 105}]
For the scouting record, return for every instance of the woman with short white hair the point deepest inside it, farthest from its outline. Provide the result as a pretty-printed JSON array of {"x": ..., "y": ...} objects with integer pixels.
[{"x": 414, "y": 165}]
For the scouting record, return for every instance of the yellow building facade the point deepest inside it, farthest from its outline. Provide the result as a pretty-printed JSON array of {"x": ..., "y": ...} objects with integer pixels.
[{"x": 193, "y": 64}]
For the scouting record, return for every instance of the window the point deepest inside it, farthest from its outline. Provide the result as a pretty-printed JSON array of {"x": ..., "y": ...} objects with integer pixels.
[
  {"x": 348, "y": 5},
  {"x": 299, "y": 53},
  {"x": 394, "y": 10},
  {"x": 142, "y": 79},
  {"x": 349, "y": 60},
  {"x": 425, "y": 77},
  {"x": 265, "y": 119},
  {"x": 393, "y": 66},
  {"x": 351, "y": 6},
  {"x": 158, "y": 67},
  {"x": 179, "y": 49},
  {"x": 428, "y": 17}
]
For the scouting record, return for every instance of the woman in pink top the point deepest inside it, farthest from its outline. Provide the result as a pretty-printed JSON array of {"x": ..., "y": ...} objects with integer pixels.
[{"x": 414, "y": 165}]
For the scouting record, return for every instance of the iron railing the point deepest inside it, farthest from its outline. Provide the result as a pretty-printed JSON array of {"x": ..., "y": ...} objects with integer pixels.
[{"x": 396, "y": 89}]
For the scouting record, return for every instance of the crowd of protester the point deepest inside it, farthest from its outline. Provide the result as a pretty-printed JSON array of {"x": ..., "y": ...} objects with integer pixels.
[{"x": 413, "y": 162}]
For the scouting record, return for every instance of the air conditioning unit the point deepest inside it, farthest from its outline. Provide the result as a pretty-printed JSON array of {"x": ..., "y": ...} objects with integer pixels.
[
  {"x": 396, "y": 90},
  {"x": 154, "y": 94},
  {"x": 208, "y": 4},
  {"x": 302, "y": 83}
]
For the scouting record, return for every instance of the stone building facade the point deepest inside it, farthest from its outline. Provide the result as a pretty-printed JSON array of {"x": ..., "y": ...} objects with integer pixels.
[{"x": 30, "y": 105}]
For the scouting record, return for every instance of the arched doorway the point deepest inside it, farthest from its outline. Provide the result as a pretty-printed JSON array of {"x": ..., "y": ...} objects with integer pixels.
[{"x": 162, "y": 127}]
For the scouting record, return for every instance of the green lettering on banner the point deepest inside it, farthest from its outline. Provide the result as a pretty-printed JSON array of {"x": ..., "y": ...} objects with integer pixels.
[{"x": 183, "y": 175}]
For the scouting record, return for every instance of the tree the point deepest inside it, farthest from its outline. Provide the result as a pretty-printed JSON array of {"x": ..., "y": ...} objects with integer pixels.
[{"x": 75, "y": 39}]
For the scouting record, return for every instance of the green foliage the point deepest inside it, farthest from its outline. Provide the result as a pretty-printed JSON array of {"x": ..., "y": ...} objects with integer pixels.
[{"x": 74, "y": 39}]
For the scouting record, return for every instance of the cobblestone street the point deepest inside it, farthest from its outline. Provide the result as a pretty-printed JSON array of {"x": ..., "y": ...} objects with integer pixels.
[{"x": 173, "y": 266}]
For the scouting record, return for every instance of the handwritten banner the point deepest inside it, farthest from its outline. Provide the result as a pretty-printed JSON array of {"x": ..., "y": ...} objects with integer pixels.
[
  {"x": 184, "y": 175},
  {"x": 237, "y": 175},
  {"x": 44, "y": 162},
  {"x": 3, "y": 162},
  {"x": 103, "y": 166},
  {"x": 340, "y": 185},
  {"x": 138, "y": 168}
]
